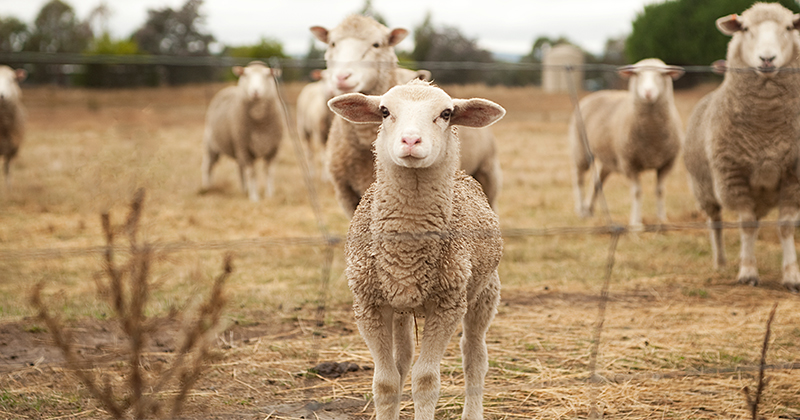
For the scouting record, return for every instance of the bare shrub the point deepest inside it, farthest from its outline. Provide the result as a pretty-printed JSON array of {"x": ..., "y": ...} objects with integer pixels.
[{"x": 127, "y": 290}]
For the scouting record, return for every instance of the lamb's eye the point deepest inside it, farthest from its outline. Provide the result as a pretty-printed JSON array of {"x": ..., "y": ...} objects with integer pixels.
[
  {"x": 333, "y": 44},
  {"x": 789, "y": 28},
  {"x": 384, "y": 112},
  {"x": 745, "y": 29},
  {"x": 376, "y": 45},
  {"x": 445, "y": 115}
]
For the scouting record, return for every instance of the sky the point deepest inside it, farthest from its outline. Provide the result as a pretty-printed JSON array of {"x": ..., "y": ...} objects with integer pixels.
[{"x": 507, "y": 27}]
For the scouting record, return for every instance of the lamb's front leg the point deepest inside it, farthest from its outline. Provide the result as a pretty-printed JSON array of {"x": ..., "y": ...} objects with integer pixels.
[
  {"x": 441, "y": 320},
  {"x": 473, "y": 347},
  {"x": 375, "y": 325},
  {"x": 748, "y": 271},
  {"x": 791, "y": 273}
]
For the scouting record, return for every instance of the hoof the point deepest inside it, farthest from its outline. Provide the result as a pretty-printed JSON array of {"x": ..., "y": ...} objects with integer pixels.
[
  {"x": 791, "y": 279},
  {"x": 584, "y": 213},
  {"x": 751, "y": 280}
]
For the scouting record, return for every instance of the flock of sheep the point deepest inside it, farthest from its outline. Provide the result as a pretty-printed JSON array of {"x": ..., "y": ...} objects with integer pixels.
[{"x": 423, "y": 238}]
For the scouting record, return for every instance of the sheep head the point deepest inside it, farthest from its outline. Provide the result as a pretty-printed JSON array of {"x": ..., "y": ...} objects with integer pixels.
[
  {"x": 650, "y": 79},
  {"x": 9, "y": 83},
  {"x": 765, "y": 37},
  {"x": 257, "y": 80},
  {"x": 416, "y": 120},
  {"x": 357, "y": 48}
]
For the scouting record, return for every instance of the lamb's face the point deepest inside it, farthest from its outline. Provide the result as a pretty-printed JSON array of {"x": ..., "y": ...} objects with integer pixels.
[
  {"x": 650, "y": 79},
  {"x": 765, "y": 36},
  {"x": 256, "y": 81},
  {"x": 357, "y": 49},
  {"x": 416, "y": 121},
  {"x": 9, "y": 87}
]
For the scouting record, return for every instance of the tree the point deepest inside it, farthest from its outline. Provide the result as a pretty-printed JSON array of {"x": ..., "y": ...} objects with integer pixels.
[
  {"x": 13, "y": 34},
  {"x": 57, "y": 29},
  {"x": 175, "y": 32},
  {"x": 448, "y": 44},
  {"x": 370, "y": 11},
  {"x": 264, "y": 50},
  {"x": 683, "y": 32}
]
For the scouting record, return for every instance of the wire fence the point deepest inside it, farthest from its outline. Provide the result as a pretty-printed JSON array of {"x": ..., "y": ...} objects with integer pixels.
[{"x": 329, "y": 241}]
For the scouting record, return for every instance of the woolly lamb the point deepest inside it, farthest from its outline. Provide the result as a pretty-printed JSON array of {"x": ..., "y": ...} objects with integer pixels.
[
  {"x": 12, "y": 116},
  {"x": 423, "y": 241},
  {"x": 741, "y": 146},
  {"x": 244, "y": 122},
  {"x": 360, "y": 58},
  {"x": 629, "y": 132}
]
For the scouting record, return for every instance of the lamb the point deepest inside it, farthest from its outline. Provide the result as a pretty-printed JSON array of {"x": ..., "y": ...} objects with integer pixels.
[
  {"x": 741, "y": 148},
  {"x": 361, "y": 58},
  {"x": 12, "y": 117},
  {"x": 313, "y": 116},
  {"x": 423, "y": 241},
  {"x": 629, "y": 132},
  {"x": 244, "y": 122}
]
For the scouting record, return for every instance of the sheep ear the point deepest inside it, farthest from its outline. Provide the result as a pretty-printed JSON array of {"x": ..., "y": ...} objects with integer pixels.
[
  {"x": 675, "y": 72},
  {"x": 320, "y": 33},
  {"x": 626, "y": 71},
  {"x": 357, "y": 107},
  {"x": 475, "y": 112},
  {"x": 424, "y": 75},
  {"x": 276, "y": 73},
  {"x": 729, "y": 25},
  {"x": 237, "y": 70},
  {"x": 316, "y": 74},
  {"x": 719, "y": 66},
  {"x": 397, "y": 35},
  {"x": 21, "y": 74}
]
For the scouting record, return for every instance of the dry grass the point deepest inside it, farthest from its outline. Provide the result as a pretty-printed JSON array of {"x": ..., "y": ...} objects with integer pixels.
[{"x": 678, "y": 341}]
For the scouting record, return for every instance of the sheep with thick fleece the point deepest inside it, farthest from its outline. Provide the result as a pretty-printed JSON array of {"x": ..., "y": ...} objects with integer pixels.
[
  {"x": 628, "y": 131},
  {"x": 244, "y": 122},
  {"x": 313, "y": 116},
  {"x": 361, "y": 58},
  {"x": 423, "y": 241},
  {"x": 12, "y": 116},
  {"x": 741, "y": 147}
]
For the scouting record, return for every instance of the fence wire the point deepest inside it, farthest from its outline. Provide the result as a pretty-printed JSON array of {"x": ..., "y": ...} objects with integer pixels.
[{"x": 329, "y": 241}]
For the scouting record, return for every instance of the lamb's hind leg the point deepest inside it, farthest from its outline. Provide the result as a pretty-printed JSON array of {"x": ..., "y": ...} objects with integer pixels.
[
  {"x": 441, "y": 322},
  {"x": 791, "y": 274},
  {"x": 473, "y": 347},
  {"x": 375, "y": 326},
  {"x": 748, "y": 272}
]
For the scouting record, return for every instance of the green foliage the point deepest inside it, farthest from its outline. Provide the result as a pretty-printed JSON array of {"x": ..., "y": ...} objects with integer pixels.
[
  {"x": 104, "y": 45},
  {"x": 265, "y": 49},
  {"x": 57, "y": 29},
  {"x": 175, "y": 32},
  {"x": 683, "y": 32},
  {"x": 13, "y": 34}
]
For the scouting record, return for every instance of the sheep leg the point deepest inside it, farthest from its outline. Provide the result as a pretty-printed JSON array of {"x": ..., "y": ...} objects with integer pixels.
[
  {"x": 577, "y": 190},
  {"x": 7, "y": 170},
  {"x": 636, "y": 202},
  {"x": 717, "y": 246},
  {"x": 791, "y": 273},
  {"x": 247, "y": 174},
  {"x": 748, "y": 272},
  {"x": 473, "y": 347},
  {"x": 403, "y": 344},
  {"x": 661, "y": 209},
  {"x": 597, "y": 187},
  {"x": 210, "y": 158},
  {"x": 375, "y": 326},
  {"x": 269, "y": 175},
  {"x": 440, "y": 324}
]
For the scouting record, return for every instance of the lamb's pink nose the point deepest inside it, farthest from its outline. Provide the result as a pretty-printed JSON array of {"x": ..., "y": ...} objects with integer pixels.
[{"x": 411, "y": 140}]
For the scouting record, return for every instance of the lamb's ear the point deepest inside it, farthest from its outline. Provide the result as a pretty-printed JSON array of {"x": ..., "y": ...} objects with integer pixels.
[
  {"x": 357, "y": 107},
  {"x": 424, "y": 75},
  {"x": 626, "y": 71},
  {"x": 729, "y": 25},
  {"x": 237, "y": 70},
  {"x": 276, "y": 73},
  {"x": 397, "y": 35},
  {"x": 675, "y": 72},
  {"x": 719, "y": 66},
  {"x": 320, "y": 33},
  {"x": 20, "y": 74},
  {"x": 475, "y": 112}
]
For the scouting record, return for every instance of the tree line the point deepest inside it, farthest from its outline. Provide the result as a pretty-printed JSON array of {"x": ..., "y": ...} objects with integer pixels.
[{"x": 679, "y": 32}]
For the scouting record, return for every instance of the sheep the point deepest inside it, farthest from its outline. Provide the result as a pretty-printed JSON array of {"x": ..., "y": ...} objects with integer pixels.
[
  {"x": 360, "y": 58},
  {"x": 244, "y": 122},
  {"x": 12, "y": 117},
  {"x": 741, "y": 147},
  {"x": 423, "y": 241},
  {"x": 628, "y": 132},
  {"x": 313, "y": 116}
]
